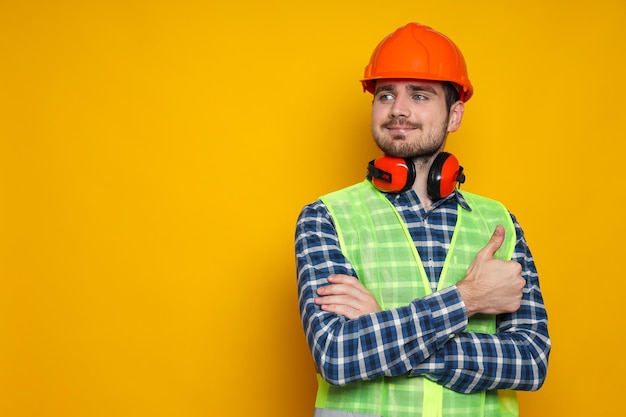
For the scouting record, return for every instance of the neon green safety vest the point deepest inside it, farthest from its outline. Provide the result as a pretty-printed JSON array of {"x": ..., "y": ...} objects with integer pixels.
[{"x": 376, "y": 241}]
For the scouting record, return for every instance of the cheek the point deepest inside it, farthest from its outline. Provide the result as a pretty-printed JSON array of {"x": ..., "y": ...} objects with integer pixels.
[
  {"x": 378, "y": 115},
  {"x": 436, "y": 121}
]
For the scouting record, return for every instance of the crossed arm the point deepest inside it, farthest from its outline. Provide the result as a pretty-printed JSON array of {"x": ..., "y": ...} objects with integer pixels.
[
  {"x": 352, "y": 339},
  {"x": 492, "y": 286}
]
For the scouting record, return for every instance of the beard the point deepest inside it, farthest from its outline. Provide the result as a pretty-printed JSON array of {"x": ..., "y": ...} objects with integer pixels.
[{"x": 422, "y": 144}]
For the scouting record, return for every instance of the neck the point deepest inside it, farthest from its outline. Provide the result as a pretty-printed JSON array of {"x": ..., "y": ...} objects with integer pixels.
[{"x": 422, "y": 168}]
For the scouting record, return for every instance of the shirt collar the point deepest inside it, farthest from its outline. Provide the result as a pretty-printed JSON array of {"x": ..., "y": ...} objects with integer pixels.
[
  {"x": 412, "y": 197},
  {"x": 460, "y": 199}
]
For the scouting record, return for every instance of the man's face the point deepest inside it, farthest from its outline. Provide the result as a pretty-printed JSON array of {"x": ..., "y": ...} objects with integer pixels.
[{"x": 410, "y": 118}]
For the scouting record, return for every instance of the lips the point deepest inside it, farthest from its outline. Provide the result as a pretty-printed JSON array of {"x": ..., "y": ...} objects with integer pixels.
[
  {"x": 401, "y": 131},
  {"x": 401, "y": 126}
]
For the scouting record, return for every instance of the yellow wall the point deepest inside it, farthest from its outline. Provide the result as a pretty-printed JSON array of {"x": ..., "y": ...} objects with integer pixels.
[{"x": 154, "y": 156}]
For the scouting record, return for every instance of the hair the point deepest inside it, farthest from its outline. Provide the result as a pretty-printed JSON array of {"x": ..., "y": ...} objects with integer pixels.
[{"x": 452, "y": 93}]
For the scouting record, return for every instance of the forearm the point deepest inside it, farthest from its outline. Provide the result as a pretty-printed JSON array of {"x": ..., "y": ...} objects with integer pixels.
[
  {"x": 388, "y": 343},
  {"x": 510, "y": 359},
  {"x": 516, "y": 357}
]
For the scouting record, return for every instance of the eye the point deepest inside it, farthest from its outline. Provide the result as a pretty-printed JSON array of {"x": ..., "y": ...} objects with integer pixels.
[
  {"x": 385, "y": 96},
  {"x": 419, "y": 97}
]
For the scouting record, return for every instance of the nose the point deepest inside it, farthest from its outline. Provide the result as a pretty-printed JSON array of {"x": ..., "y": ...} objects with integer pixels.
[{"x": 400, "y": 108}]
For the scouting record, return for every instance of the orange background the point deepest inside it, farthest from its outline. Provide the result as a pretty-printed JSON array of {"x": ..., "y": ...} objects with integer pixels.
[{"x": 154, "y": 156}]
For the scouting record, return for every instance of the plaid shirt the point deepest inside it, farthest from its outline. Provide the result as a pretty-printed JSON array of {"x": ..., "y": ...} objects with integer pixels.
[{"x": 425, "y": 337}]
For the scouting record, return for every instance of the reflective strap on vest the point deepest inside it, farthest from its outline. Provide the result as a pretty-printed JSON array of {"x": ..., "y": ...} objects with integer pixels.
[{"x": 432, "y": 404}]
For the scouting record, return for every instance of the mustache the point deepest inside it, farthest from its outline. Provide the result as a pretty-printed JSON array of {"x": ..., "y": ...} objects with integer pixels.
[{"x": 401, "y": 124}]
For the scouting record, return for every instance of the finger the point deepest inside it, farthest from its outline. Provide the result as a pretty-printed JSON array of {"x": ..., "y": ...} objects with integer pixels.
[
  {"x": 342, "y": 310},
  {"x": 350, "y": 281},
  {"x": 343, "y": 279},
  {"x": 334, "y": 289},
  {"x": 335, "y": 300},
  {"x": 494, "y": 242},
  {"x": 339, "y": 305},
  {"x": 341, "y": 289}
]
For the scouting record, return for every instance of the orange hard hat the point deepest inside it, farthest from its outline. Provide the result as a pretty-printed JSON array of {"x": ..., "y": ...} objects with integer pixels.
[{"x": 416, "y": 51}]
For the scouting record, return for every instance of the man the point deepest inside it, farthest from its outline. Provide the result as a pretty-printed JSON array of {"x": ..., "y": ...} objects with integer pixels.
[{"x": 417, "y": 302}]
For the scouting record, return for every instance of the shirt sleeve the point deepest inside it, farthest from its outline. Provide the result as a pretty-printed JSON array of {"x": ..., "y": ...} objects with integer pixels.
[
  {"x": 387, "y": 343},
  {"x": 515, "y": 357}
]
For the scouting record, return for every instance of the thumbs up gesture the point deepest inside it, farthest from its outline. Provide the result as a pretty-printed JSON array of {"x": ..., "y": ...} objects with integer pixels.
[{"x": 492, "y": 286}]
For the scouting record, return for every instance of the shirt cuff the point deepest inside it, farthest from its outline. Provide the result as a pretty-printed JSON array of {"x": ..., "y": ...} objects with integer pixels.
[{"x": 449, "y": 318}]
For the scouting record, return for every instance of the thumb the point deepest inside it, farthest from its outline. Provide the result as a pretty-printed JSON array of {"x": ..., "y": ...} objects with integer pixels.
[{"x": 495, "y": 242}]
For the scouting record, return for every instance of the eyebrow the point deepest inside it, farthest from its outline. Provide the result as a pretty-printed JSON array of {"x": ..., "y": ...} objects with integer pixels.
[
  {"x": 412, "y": 88},
  {"x": 387, "y": 87},
  {"x": 427, "y": 88}
]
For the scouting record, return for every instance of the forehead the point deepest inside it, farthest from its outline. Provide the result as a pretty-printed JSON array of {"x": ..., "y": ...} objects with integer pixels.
[{"x": 394, "y": 84}]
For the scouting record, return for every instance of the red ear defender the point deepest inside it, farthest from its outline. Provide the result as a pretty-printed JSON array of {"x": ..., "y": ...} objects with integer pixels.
[
  {"x": 444, "y": 175},
  {"x": 396, "y": 175},
  {"x": 391, "y": 174}
]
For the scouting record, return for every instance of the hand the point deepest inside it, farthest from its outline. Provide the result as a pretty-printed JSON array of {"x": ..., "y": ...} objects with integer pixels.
[
  {"x": 346, "y": 296},
  {"x": 492, "y": 286}
]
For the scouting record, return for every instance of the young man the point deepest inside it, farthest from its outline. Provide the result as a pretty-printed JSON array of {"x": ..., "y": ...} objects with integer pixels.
[{"x": 418, "y": 299}]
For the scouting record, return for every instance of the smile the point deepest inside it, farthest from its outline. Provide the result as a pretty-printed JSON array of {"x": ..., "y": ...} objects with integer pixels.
[
  {"x": 401, "y": 129},
  {"x": 395, "y": 126}
]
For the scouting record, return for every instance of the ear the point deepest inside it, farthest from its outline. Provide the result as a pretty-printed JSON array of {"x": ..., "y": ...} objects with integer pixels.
[{"x": 455, "y": 116}]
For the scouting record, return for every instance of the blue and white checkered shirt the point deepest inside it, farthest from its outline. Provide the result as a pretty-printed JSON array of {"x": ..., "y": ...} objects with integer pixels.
[{"x": 425, "y": 337}]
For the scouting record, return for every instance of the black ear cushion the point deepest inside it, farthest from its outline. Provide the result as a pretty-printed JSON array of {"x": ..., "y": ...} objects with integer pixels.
[
  {"x": 444, "y": 176},
  {"x": 440, "y": 182},
  {"x": 434, "y": 176},
  {"x": 410, "y": 175}
]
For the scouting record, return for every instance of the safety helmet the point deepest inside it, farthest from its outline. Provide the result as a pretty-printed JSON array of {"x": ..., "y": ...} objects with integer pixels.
[{"x": 416, "y": 51}]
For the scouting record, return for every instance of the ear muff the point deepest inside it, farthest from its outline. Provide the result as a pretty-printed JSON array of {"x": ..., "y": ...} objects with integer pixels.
[
  {"x": 391, "y": 174},
  {"x": 444, "y": 175},
  {"x": 396, "y": 175}
]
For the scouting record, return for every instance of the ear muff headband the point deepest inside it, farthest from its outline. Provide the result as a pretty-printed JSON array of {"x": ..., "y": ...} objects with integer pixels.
[{"x": 395, "y": 175}]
